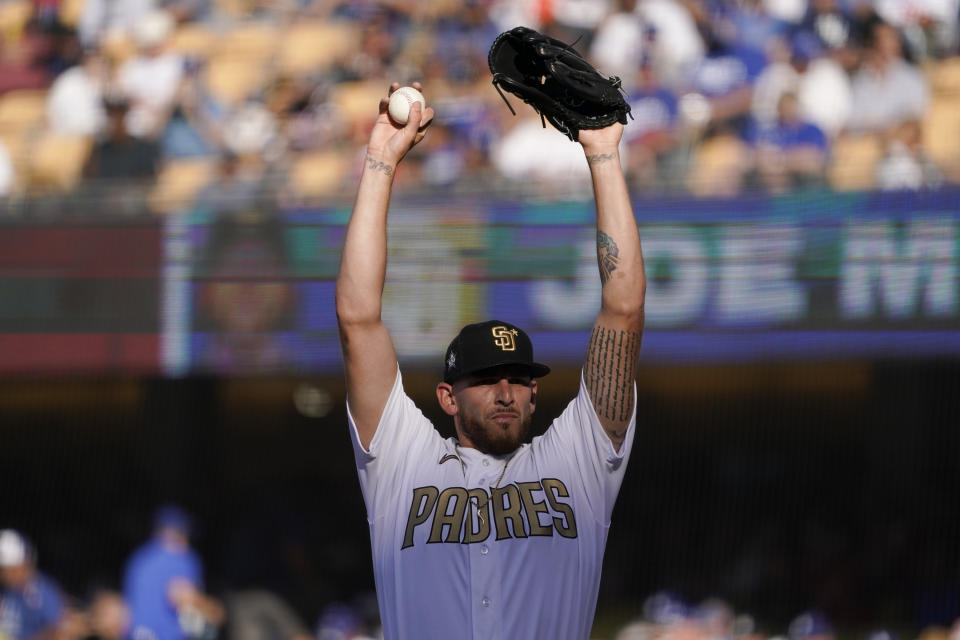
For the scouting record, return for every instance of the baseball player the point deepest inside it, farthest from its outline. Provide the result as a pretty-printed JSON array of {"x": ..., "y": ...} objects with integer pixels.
[{"x": 487, "y": 534}]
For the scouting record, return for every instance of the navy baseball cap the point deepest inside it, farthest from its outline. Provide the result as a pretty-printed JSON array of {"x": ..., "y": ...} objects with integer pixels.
[{"x": 490, "y": 344}]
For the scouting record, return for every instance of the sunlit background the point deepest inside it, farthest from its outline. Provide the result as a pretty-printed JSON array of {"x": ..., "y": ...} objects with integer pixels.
[{"x": 175, "y": 179}]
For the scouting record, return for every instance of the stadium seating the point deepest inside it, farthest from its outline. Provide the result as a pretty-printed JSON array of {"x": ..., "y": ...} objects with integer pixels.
[
  {"x": 316, "y": 174},
  {"x": 56, "y": 161},
  {"x": 853, "y": 162},
  {"x": 313, "y": 46},
  {"x": 13, "y": 17},
  {"x": 23, "y": 110},
  {"x": 178, "y": 182}
]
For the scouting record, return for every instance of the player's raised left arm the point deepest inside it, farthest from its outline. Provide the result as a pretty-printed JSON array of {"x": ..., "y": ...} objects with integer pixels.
[{"x": 611, "y": 362}]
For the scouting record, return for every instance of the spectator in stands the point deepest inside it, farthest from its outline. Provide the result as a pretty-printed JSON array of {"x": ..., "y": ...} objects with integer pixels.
[
  {"x": 655, "y": 130},
  {"x": 726, "y": 78},
  {"x": 829, "y": 25},
  {"x": 674, "y": 41},
  {"x": 163, "y": 584},
  {"x": 195, "y": 125},
  {"x": 379, "y": 44},
  {"x": 118, "y": 157},
  {"x": 746, "y": 23},
  {"x": 151, "y": 79},
  {"x": 800, "y": 64},
  {"x": 931, "y": 27},
  {"x": 31, "y": 603},
  {"x": 790, "y": 151},
  {"x": 463, "y": 40},
  {"x": 886, "y": 90},
  {"x": 75, "y": 101},
  {"x": 778, "y": 77},
  {"x": 23, "y": 60},
  {"x": 618, "y": 45},
  {"x": 445, "y": 157},
  {"x": 905, "y": 164},
  {"x": 571, "y": 20},
  {"x": 823, "y": 87},
  {"x": 542, "y": 157},
  {"x": 296, "y": 104}
]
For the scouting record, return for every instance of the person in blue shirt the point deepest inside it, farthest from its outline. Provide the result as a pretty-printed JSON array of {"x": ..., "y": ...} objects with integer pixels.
[
  {"x": 31, "y": 604},
  {"x": 789, "y": 152},
  {"x": 163, "y": 584}
]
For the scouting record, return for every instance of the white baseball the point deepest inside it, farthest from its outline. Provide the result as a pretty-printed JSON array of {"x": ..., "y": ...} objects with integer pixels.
[{"x": 400, "y": 102}]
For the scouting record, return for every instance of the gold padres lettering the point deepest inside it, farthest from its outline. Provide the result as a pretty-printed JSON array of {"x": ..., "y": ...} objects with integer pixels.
[
  {"x": 504, "y": 338},
  {"x": 521, "y": 510}
]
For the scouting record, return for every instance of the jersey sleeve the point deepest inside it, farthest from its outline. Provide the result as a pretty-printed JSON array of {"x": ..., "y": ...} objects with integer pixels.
[
  {"x": 403, "y": 439},
  {"x": 577, "y": 440}
]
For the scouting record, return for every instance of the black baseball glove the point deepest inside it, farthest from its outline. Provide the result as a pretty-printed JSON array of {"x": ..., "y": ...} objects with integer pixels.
[{"x": 554, "y": 79}]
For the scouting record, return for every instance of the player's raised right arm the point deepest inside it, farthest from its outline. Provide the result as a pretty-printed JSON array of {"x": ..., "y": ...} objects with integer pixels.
[{"x": 370, "y": 361}]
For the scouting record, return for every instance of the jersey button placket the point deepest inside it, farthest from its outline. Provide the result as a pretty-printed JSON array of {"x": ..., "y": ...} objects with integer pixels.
[{"x": 485, "y": 570}]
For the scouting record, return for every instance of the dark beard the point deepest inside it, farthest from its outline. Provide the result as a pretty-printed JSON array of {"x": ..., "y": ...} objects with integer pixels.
[{"x": 483, "y": 441}]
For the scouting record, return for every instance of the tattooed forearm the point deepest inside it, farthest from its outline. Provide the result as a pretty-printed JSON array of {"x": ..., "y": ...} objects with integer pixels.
[
  {"x": 600, "y": 158},
  {"x": 376, "y": 165},
  {"x": 611, "y": 368},
  {"x": 608, "y": 255}
]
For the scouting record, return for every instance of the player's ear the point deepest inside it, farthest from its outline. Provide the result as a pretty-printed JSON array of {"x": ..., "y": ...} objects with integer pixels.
[
  {"x": 533, "y": 395},
  {"x": 446, "y": 398}
]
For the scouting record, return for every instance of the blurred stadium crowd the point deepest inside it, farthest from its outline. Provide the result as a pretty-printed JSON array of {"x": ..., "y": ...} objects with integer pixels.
[
  {"x": 165, "y": 103},
  {"x": 161, "y": 596},
  {"x": 137, "y": 105}
]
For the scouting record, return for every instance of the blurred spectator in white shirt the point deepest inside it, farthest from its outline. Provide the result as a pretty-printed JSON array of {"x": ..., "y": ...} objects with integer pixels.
[
  {"x": 800, "y": 66},
  {"x": 676, "y": 45},
  {"x": 617, "y": 46},
  {"x": 579, "y": 16},
  {"x": 777, "y": 78},
  {"x": 507, "y": 14},
  {"x": 539, "y": 157},
  {"x": 75, "y": 101},
  {"x": 150, "y": 80},
  {"x": 825, "y": 95},
  {"x": 886, "y": 90}
]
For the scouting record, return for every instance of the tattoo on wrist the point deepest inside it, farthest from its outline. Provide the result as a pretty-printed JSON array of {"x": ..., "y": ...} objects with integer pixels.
[
  {"x": 608, "y": 256},
  {"x": 600, "y": 158},
  {"x": 382, "y": 167},
  {"x": 611, "y": 367}
]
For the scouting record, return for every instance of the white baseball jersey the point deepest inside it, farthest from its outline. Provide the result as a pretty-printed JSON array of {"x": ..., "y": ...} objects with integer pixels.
[{"x": 470, "y": 545}]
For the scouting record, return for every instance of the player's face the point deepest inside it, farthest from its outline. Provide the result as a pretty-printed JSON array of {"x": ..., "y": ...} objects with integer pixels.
[{"x": 494, "y": 409}]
